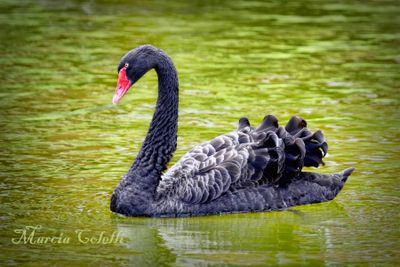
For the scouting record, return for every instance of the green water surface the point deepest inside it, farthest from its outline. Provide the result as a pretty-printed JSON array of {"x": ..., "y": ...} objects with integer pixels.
[{"x": 64, "y": 146}]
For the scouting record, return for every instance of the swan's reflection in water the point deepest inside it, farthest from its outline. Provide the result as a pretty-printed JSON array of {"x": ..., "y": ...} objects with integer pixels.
[{"x": 304, "y": 235}]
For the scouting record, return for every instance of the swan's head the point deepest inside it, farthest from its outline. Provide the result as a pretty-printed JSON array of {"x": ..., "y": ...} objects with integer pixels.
[{"x": 132, "y": 67}]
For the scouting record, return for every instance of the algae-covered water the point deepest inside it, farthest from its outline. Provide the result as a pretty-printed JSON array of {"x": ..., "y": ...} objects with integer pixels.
[{"x": 64, "y": 146}]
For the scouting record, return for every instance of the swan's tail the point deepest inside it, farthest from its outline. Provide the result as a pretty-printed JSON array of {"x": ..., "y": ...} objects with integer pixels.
[{"x": 310, "y": 188}]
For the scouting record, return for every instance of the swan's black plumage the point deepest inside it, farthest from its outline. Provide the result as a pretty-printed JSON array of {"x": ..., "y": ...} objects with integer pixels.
[{"x": 250, "y": 169}]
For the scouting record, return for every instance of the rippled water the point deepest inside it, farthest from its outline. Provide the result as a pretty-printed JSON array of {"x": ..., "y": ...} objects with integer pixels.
[{"x": 64, "y": 146}]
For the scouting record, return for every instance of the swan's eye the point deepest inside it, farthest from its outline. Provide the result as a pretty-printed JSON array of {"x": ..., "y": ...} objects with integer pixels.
[{"x": 126, "y": 65}]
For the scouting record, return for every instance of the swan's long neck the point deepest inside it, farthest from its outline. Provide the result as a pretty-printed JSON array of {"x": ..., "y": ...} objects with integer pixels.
[{"x": 160, "y": 142}]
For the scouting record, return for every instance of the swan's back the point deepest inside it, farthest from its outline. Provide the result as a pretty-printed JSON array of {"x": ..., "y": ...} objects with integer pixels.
[{"x": 246, "y": 158}]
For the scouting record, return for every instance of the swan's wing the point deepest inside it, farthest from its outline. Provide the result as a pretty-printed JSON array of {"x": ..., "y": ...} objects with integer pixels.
[
  {"x": 207, "y": 171},
  {"x": 244, "y": 158}
]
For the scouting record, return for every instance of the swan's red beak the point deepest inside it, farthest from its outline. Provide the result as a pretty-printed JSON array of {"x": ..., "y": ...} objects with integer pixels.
[{"x": 123, "y": 86}]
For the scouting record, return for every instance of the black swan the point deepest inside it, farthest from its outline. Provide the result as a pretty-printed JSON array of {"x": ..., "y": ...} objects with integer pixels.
[{"x": 249, "y": 169}]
